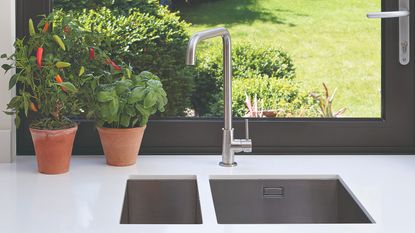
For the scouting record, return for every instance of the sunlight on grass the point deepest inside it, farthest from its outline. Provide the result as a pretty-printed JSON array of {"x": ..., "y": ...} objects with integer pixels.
[{"x": 330, "y": 41}]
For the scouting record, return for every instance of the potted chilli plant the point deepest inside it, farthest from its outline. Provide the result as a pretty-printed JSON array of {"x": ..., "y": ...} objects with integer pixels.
[
  {"x": 122, "y": 109},
  {"x": 48, "y": 67}
]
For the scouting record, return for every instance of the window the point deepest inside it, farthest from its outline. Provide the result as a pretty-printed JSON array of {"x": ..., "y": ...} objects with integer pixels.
[{"x": 328, "y": 41}]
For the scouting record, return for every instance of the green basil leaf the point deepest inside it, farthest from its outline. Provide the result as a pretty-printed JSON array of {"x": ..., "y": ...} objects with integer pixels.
[
  {"x": 122, "y": 86},
  {"x": 137, "y": 94},
  {"x": 129, "y": 109},
  {"x": 105, "y": 111},
  {"x": 142, "y": 110},
  {"x": 144, "y": 120},
  {"x": 105, "y": 96},
  {"x": 125, "y": 120},
  {"x": 150, "y": 100},
  {"x": 114, "y": 106}
]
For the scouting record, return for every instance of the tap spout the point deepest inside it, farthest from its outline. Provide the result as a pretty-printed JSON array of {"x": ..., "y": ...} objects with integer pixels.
[
  {"x": 230, "y": 145},
  {"x": 227, "y": 64}
]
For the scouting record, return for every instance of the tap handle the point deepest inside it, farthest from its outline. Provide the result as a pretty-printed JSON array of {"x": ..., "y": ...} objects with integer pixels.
[{"x": 246, "y": 129}]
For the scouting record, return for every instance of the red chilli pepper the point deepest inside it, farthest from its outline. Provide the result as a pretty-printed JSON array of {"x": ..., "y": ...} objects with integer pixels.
[
  {"x": 91, "y": 53},
  {"x": 46, "y": 27},
  {"x": 113, "y": 64},
  {"x": 116, "y": 67},
  {"x": 66, "y": 29},
  {"x": 39, "y": 55}
]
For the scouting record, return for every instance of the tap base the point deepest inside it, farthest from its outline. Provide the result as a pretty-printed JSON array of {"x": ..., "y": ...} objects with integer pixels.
[{"x": 222, "y": 164}]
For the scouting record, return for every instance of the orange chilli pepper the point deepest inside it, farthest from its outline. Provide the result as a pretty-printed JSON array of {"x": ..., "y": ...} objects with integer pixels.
[
  {"x": 58, "y": 79},
  {"x": 46, "y": 27},
  {"x": 33, "y": 107}
]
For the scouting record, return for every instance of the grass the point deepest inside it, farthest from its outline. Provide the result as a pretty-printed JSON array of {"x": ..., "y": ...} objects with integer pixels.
[{"x": 330, "y": 41}]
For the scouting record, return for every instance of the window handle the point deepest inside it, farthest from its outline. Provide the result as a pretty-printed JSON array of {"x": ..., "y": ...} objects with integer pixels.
[
  {"x": 387, "y": 14},
  {"x": 246, "y": 129},
  {"x": 403, "y": 15}
]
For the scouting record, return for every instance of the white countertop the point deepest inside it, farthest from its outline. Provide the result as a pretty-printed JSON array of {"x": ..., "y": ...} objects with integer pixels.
[{"x": 89, "y": 198}]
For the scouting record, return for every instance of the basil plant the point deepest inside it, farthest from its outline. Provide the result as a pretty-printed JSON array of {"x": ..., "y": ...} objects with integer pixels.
[{"x": 129, "y": 102}]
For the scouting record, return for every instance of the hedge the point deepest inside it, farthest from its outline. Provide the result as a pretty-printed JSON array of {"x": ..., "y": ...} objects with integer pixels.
[
  {"x": 248, "y": 62},
  {"x": 283, "y": 96},
  {"x": 154, "y": 42}
]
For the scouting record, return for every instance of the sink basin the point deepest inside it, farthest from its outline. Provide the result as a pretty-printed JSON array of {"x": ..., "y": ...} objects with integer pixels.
[
  {"x": 285, "y": 200},
  {"x": 161, "y": 200}
]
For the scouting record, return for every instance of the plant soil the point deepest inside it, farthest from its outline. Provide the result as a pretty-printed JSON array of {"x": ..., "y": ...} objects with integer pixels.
[{"x": 52, "y": 124}]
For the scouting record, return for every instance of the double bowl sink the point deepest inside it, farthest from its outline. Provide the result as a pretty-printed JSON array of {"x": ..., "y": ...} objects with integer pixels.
[{"x": 243, "y": 200}]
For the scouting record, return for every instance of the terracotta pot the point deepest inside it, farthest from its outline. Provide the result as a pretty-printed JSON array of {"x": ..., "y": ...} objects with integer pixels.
[
  {"x": 53, "y": 149},
  {"x": 121, "y": 146}
]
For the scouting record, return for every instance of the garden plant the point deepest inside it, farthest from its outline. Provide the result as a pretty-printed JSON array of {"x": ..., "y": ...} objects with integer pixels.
[
  {"x": 63, "y": 73},
  {"x": 45, "y": 81}
]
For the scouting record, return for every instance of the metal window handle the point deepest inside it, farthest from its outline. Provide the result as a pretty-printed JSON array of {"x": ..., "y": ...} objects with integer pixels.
[
  {"x": 387, "y": 14},
  {"x": 404, "y": 33},
  {"x": 246, "y": 129}
]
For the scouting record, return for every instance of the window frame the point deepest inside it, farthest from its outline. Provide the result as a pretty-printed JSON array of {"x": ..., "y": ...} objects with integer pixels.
[{"x": 393, "y": 133}]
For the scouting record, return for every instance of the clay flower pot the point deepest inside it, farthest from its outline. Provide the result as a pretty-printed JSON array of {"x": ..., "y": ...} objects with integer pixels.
[
  {"x": 53, "y": 149},
  {"x": 121, "y": 146}
]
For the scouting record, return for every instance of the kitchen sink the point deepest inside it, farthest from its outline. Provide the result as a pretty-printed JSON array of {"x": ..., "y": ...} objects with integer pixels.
[
  {"x": 165, "y": 200},
  {"x": 285, "y": 200}
]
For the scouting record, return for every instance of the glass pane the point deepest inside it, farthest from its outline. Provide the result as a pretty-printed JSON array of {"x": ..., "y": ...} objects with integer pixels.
[{"x": 283, "y": 52}]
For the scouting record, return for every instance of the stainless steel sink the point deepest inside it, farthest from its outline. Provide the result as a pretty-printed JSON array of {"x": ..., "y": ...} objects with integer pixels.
[
  {"x": 165, "y": 200},
  {"x": 292, "y": 200}
]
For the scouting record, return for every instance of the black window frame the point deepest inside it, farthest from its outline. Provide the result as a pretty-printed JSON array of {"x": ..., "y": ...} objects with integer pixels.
[{"x": 393, "y": 133}]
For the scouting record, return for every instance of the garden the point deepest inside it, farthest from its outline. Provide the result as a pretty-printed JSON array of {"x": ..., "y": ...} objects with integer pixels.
[
  {"x": 119, "y": 63},
  {"x": 283, "y": 53},
  {"x": 328, "y": 41}
]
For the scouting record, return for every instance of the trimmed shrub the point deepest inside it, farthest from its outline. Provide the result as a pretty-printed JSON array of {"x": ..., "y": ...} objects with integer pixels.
[
  {"x": 248, "y": 62},
  {"x": 280, "y": 95},
  {"x": 148, "y": 41}
]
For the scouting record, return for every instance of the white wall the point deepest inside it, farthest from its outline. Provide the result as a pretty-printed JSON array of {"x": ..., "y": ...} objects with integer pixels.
[{"x": 7, "y": 37}]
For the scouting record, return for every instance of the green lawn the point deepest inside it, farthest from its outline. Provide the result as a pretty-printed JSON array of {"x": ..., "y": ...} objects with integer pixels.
[{"x": 330, "y": 41}]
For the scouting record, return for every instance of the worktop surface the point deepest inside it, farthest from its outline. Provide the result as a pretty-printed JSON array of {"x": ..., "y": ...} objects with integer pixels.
[{"x": 89, "y": 198}]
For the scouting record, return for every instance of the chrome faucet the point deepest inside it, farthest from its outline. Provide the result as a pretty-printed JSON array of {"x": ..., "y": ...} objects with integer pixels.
[{"x": 230, "y": 145}]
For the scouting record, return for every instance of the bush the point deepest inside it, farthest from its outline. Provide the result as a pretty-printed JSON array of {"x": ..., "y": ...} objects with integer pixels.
[
  {"x": 148, "y": 41},
  {"x": 248, "y": 62},
  {"x": 280, "y": 95}
]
